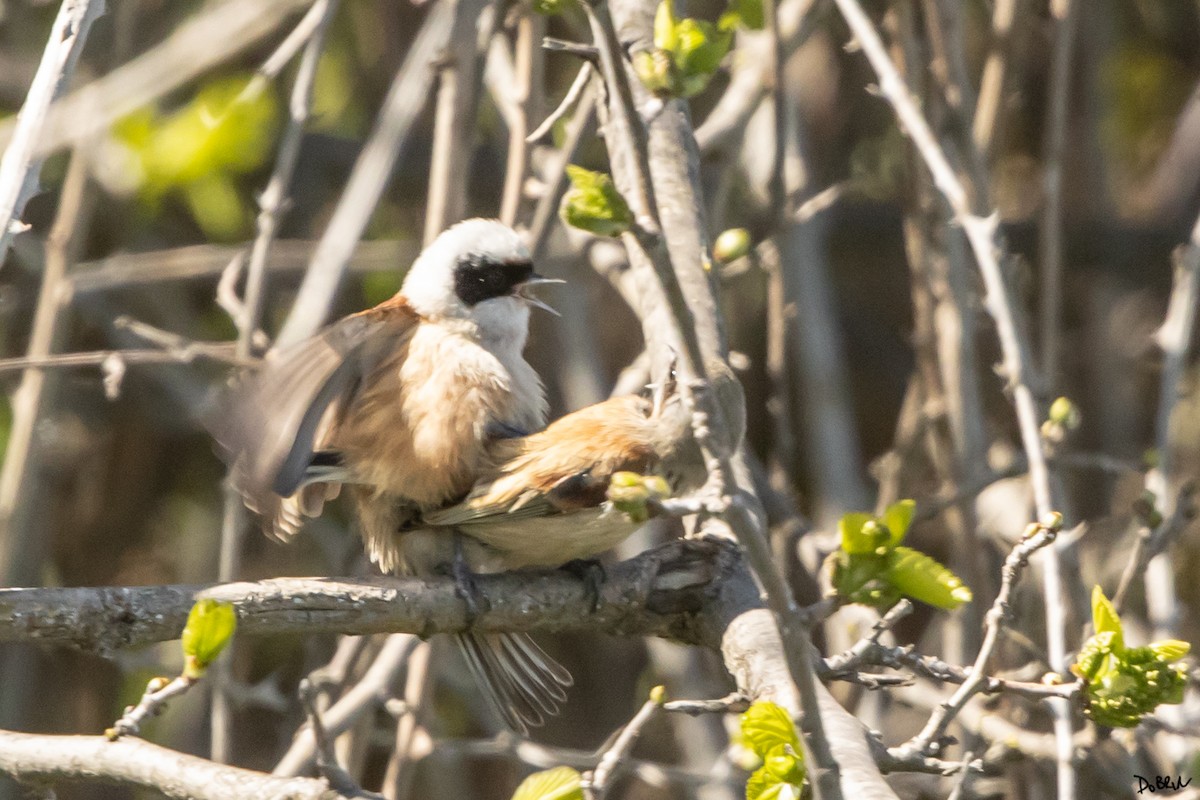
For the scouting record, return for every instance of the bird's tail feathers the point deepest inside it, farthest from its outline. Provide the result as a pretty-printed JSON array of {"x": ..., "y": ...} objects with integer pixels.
[{"x": 521, "y": 682}]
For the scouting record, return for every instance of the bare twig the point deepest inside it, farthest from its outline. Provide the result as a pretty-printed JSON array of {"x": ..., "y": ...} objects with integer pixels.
[
  {"x": 209, "y": 262},
  {"x": 454, "y": 118},
  {"x": 21, "y": 164},
  {"x": 524, "y": 93},
  {"x": 1174, "y": 338},
  {"x": 370, "y": 175},
  {"x": 569, "y": 101},
  {"x": 595, "y": 782},
  {"x": 928, "y": 741},
  {"x": 730, "y": 704},
  {"x": 154, "y": 700},
  {"x": 216, "y": 351},
  {"x": 339, "y": 779},
  {"x": 368, "y": 693},
  {"x": 19, "y": 554},
  {"x": 991, "y": 84},
  {"x": 1153, "y": 540},
  {"x": 556, "y": 177},
  {"x": 398, "y": 779},
  {"x": 1050, "y": 234}
]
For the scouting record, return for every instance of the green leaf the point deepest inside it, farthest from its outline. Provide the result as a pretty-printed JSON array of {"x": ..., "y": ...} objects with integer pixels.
[
  {"x": 210, "y": 626},
  {"x": 1105, "y": 618},
  {"x": 920, "y": 577},
  {"x": 767, "y": 726},
  {"x": 552, "y": 8},
  {"x": 898, "y": 518},
  {"x": 856, "y": 533},
  {"x": 781, "y": 775},
  {"x": 1170, "y": 649},
  {"x": 559, "y": 783},
  {"x": 593, "y": 203},
  {"x": 665, "y": 37}
]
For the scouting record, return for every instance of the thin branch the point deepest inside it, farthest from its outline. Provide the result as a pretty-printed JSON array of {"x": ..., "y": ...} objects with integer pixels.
[
  {"x": 734, "y": 703},
  {"x": 555, "y": 186},
  {"x": 153, "y": 702},
  {"x": 134, "y": 763},
  {"x": 1050, "y": 233},
  {"x": 595, "y": 782},
  {"x": 215, "y": 351},
  {"x": 455, "y": 110},
  {"x": 570, "y": 100},
  {"x": 1153, "y": 540},
  {"x": 21, "y": 165},
  {"x": 372, "y": 170},
  {"x": 929, "y": 740},
  {"x": 529, "y": 25},
  {"x": 339, "y": 780},
  {"x": 367, "y": 694},
  {"x": 991, "y": 84},
  {"x": 209, "y": 262},
  {"x": 19, "y": 551}
]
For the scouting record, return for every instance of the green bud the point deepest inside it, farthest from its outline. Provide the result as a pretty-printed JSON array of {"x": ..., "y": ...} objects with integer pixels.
[
  {"x": 731, "y": 245},
  {"x": 1065, "y": 413},
  {"x": 210, "y": 626}
]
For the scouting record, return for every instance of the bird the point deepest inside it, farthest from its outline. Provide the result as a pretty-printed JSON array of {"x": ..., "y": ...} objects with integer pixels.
[
  {"x": 399, "y": 403},
  {"x": 544, "y": 502}
]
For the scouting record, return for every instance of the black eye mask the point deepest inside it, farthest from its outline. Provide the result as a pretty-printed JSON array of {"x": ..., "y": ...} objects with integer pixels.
[{"x": 478, "y": 278}]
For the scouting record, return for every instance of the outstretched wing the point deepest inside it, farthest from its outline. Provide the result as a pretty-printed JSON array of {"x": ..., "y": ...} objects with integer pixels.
[{"x": 273, "y": 422}]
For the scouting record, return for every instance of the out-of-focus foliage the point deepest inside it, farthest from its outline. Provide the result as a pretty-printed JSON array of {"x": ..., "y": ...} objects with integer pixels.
[
  {"x": 1125, "y": 683},
  {"x": 200, "y": 149},
  {"x": 873, "y": 568},
  {"x": 770, "y": 733},
  {"x": 731, "y": 245}
]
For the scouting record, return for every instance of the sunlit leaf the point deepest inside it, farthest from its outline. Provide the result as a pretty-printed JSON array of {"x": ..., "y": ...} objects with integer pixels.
[
  {"x": 559, "y": 783},
  {"x": 210, "y": 626},
  {"x": 594, "y": 204},
  {"x": 767, "y": 726},
  {"x": 1170, "y": 649},
  {"x": 1105, "y": 619},
  {"x": 922, "y": 578},
  {"x": 898, "y": 518}
]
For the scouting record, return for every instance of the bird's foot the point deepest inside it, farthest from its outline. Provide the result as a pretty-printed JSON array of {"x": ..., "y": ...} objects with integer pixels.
[
  {"x": 591, "y": 571},
  {"x": 464, "y": 581}
]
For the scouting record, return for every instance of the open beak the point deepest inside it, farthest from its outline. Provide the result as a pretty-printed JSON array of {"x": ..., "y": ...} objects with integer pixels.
[{"x": 522, "y": 292}]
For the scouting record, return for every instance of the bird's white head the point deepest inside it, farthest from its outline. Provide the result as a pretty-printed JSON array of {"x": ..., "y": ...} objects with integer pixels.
[{"x": 477, "y": 271}]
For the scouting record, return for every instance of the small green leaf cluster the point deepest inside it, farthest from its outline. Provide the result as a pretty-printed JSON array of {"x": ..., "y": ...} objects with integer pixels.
[
  {"x": 210, "y": 626},
  {"x": 593, "y": 203},
  {"x": 873, "y": 568},
  {"x": 631, "y": 493},
  {"x": 688, "y": 51},
  {"x": 199, "y": 149},
  {"x": 559, "y": 783},
  {"x": 1125, "y": 683},
  {"x": 731, "y": 245},
  {"x": 770, "y": 733}
]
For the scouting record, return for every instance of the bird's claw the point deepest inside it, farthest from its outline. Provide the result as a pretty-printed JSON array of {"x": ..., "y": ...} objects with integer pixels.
[
  {"x": 591, "y": 571},
  {"x": 464, "y": 581}
]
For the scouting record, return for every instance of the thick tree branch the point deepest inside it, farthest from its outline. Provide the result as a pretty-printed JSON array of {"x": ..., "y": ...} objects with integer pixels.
[
  {"x": 679, "y": 591},
  {"x": 32, "y": 758}
]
